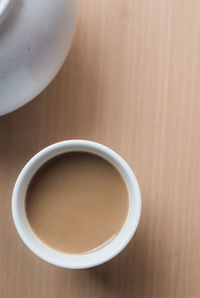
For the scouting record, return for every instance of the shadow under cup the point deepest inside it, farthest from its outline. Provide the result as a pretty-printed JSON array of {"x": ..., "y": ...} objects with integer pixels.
[{"x": 59, "y": 258}]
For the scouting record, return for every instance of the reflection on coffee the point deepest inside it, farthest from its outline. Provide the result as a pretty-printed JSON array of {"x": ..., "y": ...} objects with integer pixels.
[{"x": 77, "y": 202}]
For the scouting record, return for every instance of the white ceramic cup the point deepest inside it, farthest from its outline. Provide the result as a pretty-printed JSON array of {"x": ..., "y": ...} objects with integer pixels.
[{"x": 56, "y": 257}]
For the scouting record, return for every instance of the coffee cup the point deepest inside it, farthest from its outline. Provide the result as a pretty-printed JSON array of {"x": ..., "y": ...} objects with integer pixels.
[{"x": 59, "y": 258}]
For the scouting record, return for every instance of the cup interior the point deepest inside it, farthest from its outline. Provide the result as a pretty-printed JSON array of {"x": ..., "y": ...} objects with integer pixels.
[{"x": 75, "y": 261}]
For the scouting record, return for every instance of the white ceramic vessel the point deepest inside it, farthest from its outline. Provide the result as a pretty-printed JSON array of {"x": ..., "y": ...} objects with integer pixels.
[
  {"x": 35, "y": 37},
  {"x": 66, "y": 260}
]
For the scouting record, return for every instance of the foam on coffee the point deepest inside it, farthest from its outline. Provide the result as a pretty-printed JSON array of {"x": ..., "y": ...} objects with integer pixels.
[{"x": 77, "y": 202}]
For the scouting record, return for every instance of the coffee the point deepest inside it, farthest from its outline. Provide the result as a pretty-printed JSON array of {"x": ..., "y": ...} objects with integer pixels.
[{"x": 77, "y": 202}]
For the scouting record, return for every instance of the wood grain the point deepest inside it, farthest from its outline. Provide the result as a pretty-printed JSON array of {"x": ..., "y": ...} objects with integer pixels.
[{"x": 132, "y": 82}]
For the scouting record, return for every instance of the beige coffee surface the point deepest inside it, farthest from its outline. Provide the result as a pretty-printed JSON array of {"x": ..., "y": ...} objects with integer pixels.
[{"x": 77, "y": 202}]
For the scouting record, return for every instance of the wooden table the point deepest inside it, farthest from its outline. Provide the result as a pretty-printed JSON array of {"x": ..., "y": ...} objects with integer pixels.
[{"x": 131, "y": 82}]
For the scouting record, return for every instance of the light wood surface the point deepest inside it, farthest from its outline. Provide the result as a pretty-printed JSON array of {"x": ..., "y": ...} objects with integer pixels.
[{"x": 131, "y": 82}]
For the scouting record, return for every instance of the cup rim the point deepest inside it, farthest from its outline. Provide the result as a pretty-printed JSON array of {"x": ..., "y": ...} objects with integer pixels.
[{"x": 49, "y": 254}]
